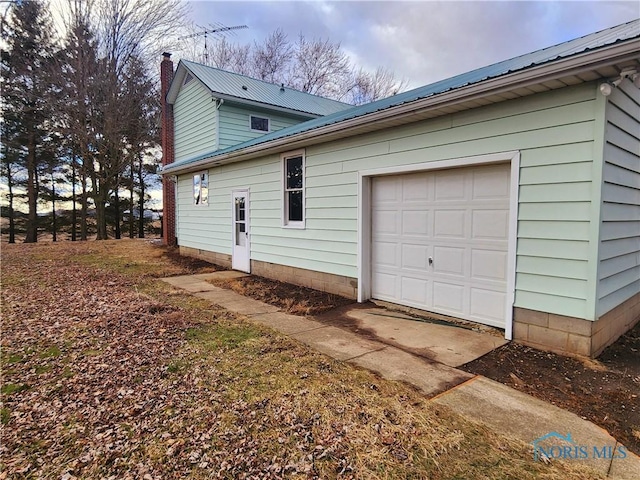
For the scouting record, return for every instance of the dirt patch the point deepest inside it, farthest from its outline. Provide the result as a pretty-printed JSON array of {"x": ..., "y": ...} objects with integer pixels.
[
  {"x": 604, "y": 391},
  {"x": 290, "y": 298},
  {"x": 190, "y": 264}
]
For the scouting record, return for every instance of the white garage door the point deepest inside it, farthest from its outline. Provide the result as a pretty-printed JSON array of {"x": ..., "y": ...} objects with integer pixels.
[{"x": 439, "y": 241}]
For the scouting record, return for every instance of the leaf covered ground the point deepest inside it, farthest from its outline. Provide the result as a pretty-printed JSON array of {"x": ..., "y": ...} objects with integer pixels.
[{"x": 109, "y": 373}]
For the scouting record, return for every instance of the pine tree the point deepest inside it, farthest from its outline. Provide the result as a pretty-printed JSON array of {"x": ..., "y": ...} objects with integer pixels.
[{"x": 27, "y": 70}]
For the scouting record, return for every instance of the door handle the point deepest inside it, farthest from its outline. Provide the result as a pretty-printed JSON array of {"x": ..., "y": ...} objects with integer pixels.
[{"x": 430, "y": 261}]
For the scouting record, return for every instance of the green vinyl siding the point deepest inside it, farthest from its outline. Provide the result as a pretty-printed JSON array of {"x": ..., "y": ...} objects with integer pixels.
[
  {"x": 554, "y": 132},
  {"x": 619, "y": 249},
  {"x": 209, "y": 227},
  {"x": 235, "y": 125},
  {"x": 194, "y": 115}
]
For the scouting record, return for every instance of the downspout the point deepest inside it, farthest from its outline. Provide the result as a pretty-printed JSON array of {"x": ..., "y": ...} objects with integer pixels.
[{"x": 217, "y": 104}]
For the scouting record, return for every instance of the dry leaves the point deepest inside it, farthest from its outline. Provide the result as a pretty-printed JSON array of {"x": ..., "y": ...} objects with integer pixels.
[{"x": 107, "y": 373}]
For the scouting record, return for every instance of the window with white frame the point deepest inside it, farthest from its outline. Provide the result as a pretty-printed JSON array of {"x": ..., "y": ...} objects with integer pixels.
[
  {"x": 201, "y": 189},
  {"x": 293, "y": 182},
  {"x": 259, "y": 124}
]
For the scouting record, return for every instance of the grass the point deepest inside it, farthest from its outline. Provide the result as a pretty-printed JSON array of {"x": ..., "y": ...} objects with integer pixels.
[
  {"x": 11, "y": 388},
  {"x": 5, "y": 415},
  {"x": 51, "y": 352},
  {"x": 177, "y": 387},
  {"x": 214, "y": 337}
]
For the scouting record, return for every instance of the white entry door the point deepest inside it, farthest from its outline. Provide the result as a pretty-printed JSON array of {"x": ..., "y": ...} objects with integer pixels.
[
  {"x": 439, "y": 241},
  {"x": 240, "y": 258}
]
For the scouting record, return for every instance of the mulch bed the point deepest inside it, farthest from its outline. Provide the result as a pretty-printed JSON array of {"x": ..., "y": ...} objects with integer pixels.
[
  {"x": 605, "y": 391},
  {"x": 290, "y": 298}
]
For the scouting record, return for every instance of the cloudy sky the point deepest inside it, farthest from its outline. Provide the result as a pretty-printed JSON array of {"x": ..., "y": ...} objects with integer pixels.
[{"x": 422, "y": 41}]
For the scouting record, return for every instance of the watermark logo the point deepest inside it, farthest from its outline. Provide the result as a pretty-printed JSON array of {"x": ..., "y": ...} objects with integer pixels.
[{"x": 555, "y": 445}]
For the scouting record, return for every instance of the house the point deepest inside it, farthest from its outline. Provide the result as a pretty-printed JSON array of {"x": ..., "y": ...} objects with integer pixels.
[{"x": 507, "y": 196}]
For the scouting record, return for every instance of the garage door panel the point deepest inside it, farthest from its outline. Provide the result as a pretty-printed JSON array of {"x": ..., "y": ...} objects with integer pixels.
[
  {"x": 458, "y": 217},
  {"x": 488, "y": 305},
  {"x": 449, "y": 223},
  {"x": 385, "y": 254},
  {"x": 416, "y": 189},
  {"x": 490, "y": 224},
  {"x": 451, "y": 261},
  {"x": 449, "y": 185},
  {"x": 385, "y": 222},
  {"x": 415, "y": 222},
  {"x": 449, "y": 297},
  {"x": 414, "y": 290},
  {"x": 387, "y": 190},
  {"x": 488, "y": 265},
  {"x": 490, "y": 183},
  {"x": 385, "y": 286},
  {"x": 415, "y": 257}
]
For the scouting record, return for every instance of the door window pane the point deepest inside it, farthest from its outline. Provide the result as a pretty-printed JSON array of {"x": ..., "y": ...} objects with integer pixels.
[
  {"x": 241, "y": 237},
  {"x": 240, "y": 210}
]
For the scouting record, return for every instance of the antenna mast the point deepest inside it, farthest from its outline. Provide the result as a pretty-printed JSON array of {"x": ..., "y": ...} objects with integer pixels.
[{"x": 206, "y": 32}]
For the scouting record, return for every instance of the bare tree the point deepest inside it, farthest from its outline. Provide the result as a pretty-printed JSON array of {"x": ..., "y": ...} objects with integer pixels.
[
  {"x": 368, "y": 87},
  {"x": 136, "y": 27},
  {"x": 272, "y": 58},
  {"x": 79, "y": 109},
  {"x": 321, "y": 67},
  {"x": 316, "y": 66},
  {"x": 128, "y": 32}
]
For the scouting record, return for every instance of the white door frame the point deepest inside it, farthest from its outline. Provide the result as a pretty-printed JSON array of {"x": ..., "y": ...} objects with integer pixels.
[
  {"x": 364, "y": 218},
  {"x": 240, "y": 256}
]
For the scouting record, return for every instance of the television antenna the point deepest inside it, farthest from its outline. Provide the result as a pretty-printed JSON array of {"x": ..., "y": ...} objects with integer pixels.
[{"x": 214, "y": 29}]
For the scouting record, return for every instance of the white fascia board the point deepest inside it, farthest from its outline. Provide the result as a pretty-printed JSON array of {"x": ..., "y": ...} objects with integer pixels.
[{"x": 570, "y": 66}]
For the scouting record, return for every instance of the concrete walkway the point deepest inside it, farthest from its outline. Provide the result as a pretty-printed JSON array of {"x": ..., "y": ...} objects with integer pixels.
[{"x": 425, "y": 355}]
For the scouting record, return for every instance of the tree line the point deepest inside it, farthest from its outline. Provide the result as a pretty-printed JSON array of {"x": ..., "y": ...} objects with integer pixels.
[
  {"x": 79, "y": 113},
  {"x": 81, "y": 108}
]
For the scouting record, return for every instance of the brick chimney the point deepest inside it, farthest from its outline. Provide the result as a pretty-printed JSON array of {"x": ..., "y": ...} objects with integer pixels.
[{"x": 168, "y": 185}]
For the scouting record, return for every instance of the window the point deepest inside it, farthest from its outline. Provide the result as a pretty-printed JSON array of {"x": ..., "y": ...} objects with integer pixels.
[
  {"x": 201, "y": 189},
  {"x": 259, "y": 124},
  {"x": 293, "y": 167}
]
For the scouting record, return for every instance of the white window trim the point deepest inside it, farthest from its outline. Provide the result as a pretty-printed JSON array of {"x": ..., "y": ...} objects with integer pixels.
[
  {"x": 193, "y": 202},
  {"x": 364, "y": 219},
  {"x": 265, "y": 118},
  {"x": 283, "y": 174}
]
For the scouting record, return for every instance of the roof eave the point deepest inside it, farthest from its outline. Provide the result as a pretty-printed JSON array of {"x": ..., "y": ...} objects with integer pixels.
[
  {"x": 264, "y": 106},
  {"x": 575, "y": 64},
  {"x": 176, "y": 83}
]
